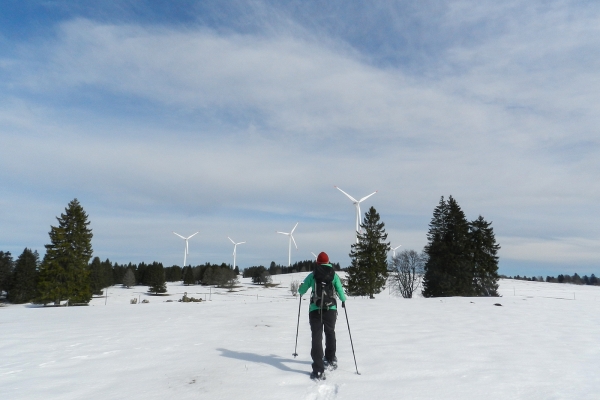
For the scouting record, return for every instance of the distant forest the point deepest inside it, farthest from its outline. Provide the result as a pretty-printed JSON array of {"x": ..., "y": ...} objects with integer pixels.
[{"x": 574, "y": 279}]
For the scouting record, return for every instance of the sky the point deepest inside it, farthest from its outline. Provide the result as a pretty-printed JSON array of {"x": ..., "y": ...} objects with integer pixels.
[{"x": 238, "y": 119}]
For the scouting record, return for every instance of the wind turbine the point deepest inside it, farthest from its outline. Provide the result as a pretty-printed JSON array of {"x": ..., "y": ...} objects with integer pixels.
[
  {"x": 290, "y": 243},
  {"x": 357, "y": 205},
  {"x": 234, "y": 249},
  {"x": 394, "y": 251},
  {"x": 186, "y": 250}
]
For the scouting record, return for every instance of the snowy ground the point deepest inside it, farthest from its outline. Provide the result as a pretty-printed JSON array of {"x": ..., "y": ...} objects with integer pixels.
[{"x": 542, "y": 343}]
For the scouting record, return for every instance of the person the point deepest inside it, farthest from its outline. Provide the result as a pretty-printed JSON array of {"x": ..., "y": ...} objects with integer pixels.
[{"x": 322, "y": 313}]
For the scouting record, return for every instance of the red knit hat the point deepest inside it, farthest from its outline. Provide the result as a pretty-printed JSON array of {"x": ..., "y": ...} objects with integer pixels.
[{"x": 322, "y": 258}]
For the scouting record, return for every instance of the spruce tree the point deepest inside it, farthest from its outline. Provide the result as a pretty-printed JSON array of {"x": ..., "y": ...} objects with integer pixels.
[
  {"x": 155, "y": 276},
  {"x": 368, "y": 271},
  {"x": 64, "y": 271},
  {"x": 24, "y": 282},
  {"x": 108, "y": 273},
  {"x": 484, "y": 258},
  {"x": 188, "y": 276},
  {"x": 129, "y": 278},
  {"x": 97, "y": 279},
  {"x": 6, "y": 270},
  {"x": 448, "y": 270}
]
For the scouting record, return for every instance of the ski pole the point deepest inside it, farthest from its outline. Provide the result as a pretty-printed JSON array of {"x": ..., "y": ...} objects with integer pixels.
[
  {"x": 353, "y": 355},
  {"x": 297, "y": 326}
]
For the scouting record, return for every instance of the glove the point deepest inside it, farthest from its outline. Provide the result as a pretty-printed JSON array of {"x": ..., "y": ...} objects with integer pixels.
[{"x": 343, "y": 304}]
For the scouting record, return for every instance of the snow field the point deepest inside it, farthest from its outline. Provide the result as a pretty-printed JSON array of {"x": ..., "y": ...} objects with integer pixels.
[{"x": 540, "y": 344}]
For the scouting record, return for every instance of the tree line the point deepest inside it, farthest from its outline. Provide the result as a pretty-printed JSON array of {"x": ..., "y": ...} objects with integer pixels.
[
  {"x": 460, "y": 259},
  {"x": 575, "y": 279}
]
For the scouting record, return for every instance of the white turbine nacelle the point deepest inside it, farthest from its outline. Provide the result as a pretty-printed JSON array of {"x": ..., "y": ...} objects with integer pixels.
[
  {"x": 186, "y": 250},
  {"x": 234, "y": 249},
  {"x": 357, "y": 205},
  {"x": 394, "y": 251},
  {"x": 291, "y": 235}
]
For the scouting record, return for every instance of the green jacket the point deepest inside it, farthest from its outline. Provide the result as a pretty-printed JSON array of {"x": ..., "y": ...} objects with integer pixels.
[{"x": 309, "y": 282}]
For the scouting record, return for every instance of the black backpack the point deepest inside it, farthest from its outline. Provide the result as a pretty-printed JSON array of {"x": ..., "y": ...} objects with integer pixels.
[{"x": 323, "y": 294}]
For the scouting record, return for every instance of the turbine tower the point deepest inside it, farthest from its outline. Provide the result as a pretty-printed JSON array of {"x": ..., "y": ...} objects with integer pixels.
[
  {"x": 394, "y": 251},
  {"x": 234, "y": 249},
  {"x": 186, "y": 250},
  {"x": 291, "y": 235},
  {"x": 357, "y": 205}
]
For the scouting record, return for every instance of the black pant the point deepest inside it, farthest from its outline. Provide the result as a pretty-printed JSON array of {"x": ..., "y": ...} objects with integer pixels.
[{"x": 317, "y": 325}]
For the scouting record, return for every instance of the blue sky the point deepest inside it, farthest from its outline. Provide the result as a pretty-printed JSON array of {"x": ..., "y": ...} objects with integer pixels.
[{"x": 238, "y": 118}]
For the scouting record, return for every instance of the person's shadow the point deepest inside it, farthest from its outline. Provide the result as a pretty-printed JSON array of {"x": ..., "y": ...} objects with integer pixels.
[{"x": 274, "y": 360}]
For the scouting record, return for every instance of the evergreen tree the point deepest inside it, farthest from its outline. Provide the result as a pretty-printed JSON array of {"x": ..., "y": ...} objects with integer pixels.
[
  {"x": 173, "y": 274},
  {"x": 368, "y": 271},
  {"x": 97, "y": 279},
  {"x": 24, "y": 282},
  {"x": 129, "y": 278},
  {"x": 448, "y": 271},
  {"x": 155, "y": 275},
  {"x": 64, "y": 271},
  {"x": 484, "y": 258},
  {"x": 188, "y": 276},
  {"x": 108, "y": 273},
  {"x": 6, "y": 270}
]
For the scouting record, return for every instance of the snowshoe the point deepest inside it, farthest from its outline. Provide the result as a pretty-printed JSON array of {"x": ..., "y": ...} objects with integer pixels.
[
  {"x": 317, "y": 376},
  {"x": 330, "y": 364}
]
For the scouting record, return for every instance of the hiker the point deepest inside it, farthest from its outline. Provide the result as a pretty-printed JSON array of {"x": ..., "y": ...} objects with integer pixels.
[{"x": 322, "y": 314}]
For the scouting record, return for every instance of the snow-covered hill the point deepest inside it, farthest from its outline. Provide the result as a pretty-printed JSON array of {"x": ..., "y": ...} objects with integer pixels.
[{"x": 542, "y": 343}]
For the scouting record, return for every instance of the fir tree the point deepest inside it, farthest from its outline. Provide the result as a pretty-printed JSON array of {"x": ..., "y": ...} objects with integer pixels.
[
  {"x": 6, "y": 270},
  {"x": 64, "y": 271},
  {"x": 448, "y": 270},
  {"x": 24, "y": 282},
  {"x": 484, "y": 258},
  {"x": 97, "y": 278},
  {"x": 155, "y": 275},
  {"x": 188, "y": 276},
  {"x": 109, "y": 279},
  {"x": 368, "y": 271},
  {"x": 129, "y": 278}
]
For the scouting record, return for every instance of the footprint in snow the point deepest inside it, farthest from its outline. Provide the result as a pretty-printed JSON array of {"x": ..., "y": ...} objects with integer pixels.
[{"x": 324, "y": 392}]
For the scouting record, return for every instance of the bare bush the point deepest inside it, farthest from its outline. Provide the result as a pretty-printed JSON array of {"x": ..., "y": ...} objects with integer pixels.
[
  {"x": 406, "y": 272},
  {"x": 294, "y": 285}
]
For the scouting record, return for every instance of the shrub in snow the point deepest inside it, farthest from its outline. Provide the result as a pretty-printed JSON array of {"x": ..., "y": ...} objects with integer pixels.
[{"x": 294, "y": 285}]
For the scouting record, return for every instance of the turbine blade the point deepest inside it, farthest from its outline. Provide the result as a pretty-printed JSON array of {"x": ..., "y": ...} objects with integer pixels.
[
  {"x": 294, "y": 240},
  {"x": 350, "y": 197},
  {"x": 187, "y": 250},
  {"x": 366, "y": 197},
  {"x": 283, "y": 233},
  {"x": 241, "y": 243},
  {"x": 192, "y": 235},
  {"x": 179, "y": 235},
  {"x": 294, "y": 228},
  {"x": 230, "y": 239},
  {"x": 314, "y": 255}
]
